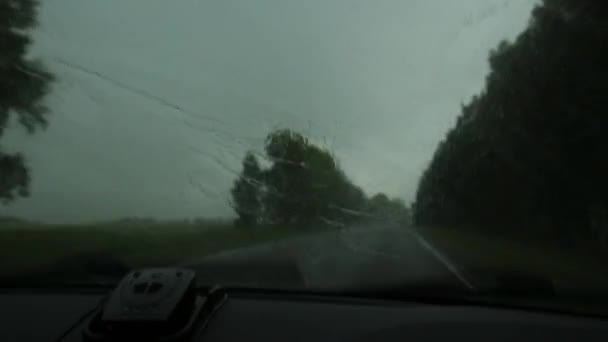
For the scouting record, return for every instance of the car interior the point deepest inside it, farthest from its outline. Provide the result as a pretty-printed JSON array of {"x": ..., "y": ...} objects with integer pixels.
[{"x": 165, "y": 304}]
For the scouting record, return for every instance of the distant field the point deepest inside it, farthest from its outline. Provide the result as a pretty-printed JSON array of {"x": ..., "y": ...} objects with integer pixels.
[
  {"x": 582, "y": 268},
  {"x": 30, "y": 247}
]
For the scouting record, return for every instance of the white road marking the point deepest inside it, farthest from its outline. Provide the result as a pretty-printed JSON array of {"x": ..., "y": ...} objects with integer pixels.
[{"x": 443, "y": 259}]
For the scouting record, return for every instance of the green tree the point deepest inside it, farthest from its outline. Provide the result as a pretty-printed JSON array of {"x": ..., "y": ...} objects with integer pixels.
[
  {"x": 23, "y": 84},
  {"x": 286, "y": 179},
  {"x": 305, "y": 185},
  {"x": 247, "y": 191},
  {"x": 529, "y": 152}
]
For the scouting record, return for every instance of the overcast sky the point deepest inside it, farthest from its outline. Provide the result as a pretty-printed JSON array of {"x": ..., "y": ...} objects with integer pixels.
[{"x": 157, "y": 101}]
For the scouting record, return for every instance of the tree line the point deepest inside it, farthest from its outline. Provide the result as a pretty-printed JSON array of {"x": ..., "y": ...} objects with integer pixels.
[
  {"x": 529, "y": 154},
  {"x": 304, "y": 186}
]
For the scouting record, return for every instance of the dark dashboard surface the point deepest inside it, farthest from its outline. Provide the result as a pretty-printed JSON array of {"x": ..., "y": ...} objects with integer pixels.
[{"x": 257, "y": 317}]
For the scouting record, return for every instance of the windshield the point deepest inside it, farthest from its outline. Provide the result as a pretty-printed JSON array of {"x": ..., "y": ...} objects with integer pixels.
[{"x": 316, "y": 144}]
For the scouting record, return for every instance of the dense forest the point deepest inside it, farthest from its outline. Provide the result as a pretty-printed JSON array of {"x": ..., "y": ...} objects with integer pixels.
[{"x": 528, "y": 155}]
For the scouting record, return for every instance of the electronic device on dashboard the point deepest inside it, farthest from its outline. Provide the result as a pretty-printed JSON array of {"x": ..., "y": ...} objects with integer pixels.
[{"x": 157, "y": 304}]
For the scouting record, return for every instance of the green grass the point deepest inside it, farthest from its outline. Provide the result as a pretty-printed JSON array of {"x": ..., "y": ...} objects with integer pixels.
[
  {"x": 26, "y": 248},
  {"x": 579, "y": 269}
]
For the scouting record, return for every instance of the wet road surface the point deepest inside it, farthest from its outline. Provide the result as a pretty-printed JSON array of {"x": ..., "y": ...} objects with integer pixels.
[{"x": 366, "y": 256}]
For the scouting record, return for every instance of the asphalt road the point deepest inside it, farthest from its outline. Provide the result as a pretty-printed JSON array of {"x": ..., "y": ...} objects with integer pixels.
[{"x": 366, "y": 256}]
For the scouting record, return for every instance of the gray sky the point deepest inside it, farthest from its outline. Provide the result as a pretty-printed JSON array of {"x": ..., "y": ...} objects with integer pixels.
[{"x": 157, "y": 101}]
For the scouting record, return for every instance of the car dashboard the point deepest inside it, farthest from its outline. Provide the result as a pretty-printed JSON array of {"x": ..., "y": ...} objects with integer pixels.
[{"x": 266, "y": 316}]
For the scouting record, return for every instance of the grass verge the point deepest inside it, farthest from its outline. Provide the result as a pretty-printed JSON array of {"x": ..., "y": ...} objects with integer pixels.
[
  {"x": 577, "y": 270},
  {"x": 30, "y": 248}
]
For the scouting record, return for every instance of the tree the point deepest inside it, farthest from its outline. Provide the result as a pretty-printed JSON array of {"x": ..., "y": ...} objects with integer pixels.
[
  {"x": 528, "y": 153},
  {"x": 286, "y": 179},
  {"x": 306, "y": 185},
  {"x": 246, "y": 192},
  {"x": 303, "y": 186},
  {"x": 23, "y": 84}
]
